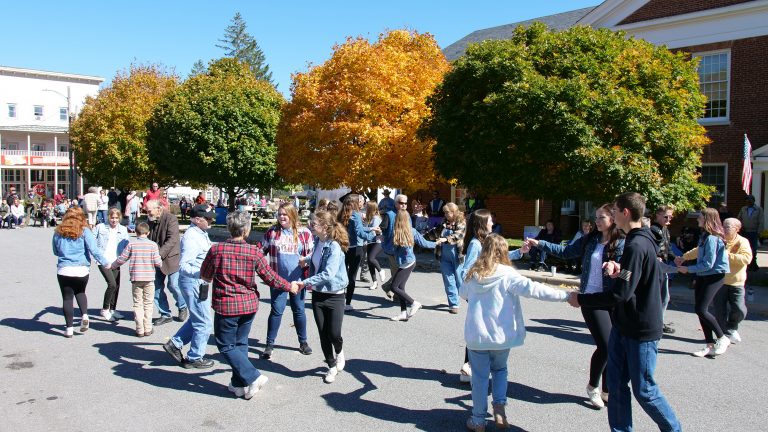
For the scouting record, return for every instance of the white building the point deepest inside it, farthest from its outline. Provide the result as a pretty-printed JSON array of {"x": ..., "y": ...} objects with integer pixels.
[{"x": 34, "y": 141}]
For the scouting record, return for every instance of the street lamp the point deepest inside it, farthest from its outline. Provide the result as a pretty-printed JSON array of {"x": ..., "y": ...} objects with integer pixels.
[{"x": 72, "y": 170}]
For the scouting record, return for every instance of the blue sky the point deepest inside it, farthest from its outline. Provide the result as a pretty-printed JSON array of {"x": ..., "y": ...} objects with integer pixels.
[{"x": 103, "y": 37}]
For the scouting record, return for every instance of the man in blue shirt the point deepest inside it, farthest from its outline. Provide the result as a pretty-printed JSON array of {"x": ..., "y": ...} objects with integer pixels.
[{"x": 195, "y": 330}]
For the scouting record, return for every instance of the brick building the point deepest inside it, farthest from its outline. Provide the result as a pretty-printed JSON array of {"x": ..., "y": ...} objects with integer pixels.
[{"x": 731, "y": 39}]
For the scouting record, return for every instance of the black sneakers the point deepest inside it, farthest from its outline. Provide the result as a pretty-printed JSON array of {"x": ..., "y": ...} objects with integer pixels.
[
  {"x": 171, "y": 349},
  {"x": 202, "y": 363},
  {"x": 183, "y": 314},
  {"x": 267, "y": 354},
  {"x": 305, "y": 349},
  {"x": 162, "y": 320},
  {"x": 668, "y": 329}
]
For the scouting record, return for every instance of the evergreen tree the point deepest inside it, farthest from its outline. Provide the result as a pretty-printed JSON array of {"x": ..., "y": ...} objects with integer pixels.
[
  {"x": 237, "y": 43},
  {"x": 198, "y": 68}
]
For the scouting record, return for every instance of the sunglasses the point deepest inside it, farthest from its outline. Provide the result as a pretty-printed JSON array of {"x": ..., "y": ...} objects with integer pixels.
[{"x": 402, "y": 203}]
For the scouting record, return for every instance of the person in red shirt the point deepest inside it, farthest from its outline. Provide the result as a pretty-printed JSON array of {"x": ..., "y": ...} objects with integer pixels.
[
  {"x": 200, "y": 198},
  {"x": 229, "y": 268},
  {"x": 59, "y": 197},
  {"x": 153, "y": 193}
]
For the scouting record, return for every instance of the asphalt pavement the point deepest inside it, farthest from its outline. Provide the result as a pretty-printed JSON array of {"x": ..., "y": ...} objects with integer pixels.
[{"x": 399, "y": 375}]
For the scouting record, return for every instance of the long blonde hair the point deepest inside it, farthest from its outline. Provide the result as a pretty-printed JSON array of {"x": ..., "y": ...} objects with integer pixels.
[
  {"x": 333, "y": 228},
  {"x": 403, "y": 235},
  {"x": 371, "y": 209},
  {"x": 458, "y": 216},
  {"x": 293, "y": 218},
  {"x": 495, "y": 251}
]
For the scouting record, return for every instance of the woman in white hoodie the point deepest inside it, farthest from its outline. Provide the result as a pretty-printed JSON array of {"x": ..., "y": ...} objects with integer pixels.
[{"x": 495, "y": 324}]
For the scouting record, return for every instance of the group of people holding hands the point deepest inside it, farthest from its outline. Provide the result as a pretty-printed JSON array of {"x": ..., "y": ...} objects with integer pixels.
[{"x": 622, "y": 294}]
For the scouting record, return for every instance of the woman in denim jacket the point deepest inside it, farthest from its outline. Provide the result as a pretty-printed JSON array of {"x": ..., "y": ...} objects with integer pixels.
[
  {"x": 111, "y": 238},
  {"x": 594, "y": 249},
  {"x": 452, "y": 233},
  {"x": 73, "y": 243},
  {"x": 710, "y": 268},
  {"x": 328, "y": 281},
  {"x": 404, "y": 239},
  {"x": 358, "y": 235}
]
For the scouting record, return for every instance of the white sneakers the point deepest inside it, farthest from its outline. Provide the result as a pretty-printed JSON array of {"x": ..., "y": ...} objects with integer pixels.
[
  {"x": 108, "y": 316},
  {"x": 330, "y": 376},
  {"x": 721, "y": 345},
  {"x": 238, "y": 391},
  {"x": 84, "y": 324},
  {"x": 348, "y": 308},
  {"x": 403, "y": 316},
  {"x": 595, "y": 397},
  {"x": 415, "y": 306},
  {"x": 706, "y": 351},
  {"x": 734, "y": 336},
  {"x": 465, "y": 374},
  {"x": 374, "y": 285},
  {"x": 255, "y": 386},
  {"x": 117, "y": 315}
]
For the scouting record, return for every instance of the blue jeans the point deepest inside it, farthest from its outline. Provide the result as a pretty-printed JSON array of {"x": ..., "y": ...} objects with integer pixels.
[
  {"x": 485, "y": 363},
  {"x": 537, "y": 255},
  {"x": 279, "y": 300},
  {"x": 101, "y": 216},
  {"x": 161, "y": 300},
  {"x": 132, "y": 221},
  {"x": 232, "y": 340},
  {"x": 630, "y": 360},
  {"x": 449, "y": 267},
  {"x": 198, "y": 327}
]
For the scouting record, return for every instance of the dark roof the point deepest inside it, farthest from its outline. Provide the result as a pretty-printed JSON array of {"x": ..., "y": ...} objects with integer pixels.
[{"x": 559, "y": 21}]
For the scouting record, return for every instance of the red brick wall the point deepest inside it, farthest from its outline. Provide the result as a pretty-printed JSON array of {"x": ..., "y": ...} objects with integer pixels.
[{"x": 664, "y": 8}]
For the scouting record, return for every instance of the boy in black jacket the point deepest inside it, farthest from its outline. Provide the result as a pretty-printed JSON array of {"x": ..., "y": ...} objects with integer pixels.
[{"x": 637, "y": 314}]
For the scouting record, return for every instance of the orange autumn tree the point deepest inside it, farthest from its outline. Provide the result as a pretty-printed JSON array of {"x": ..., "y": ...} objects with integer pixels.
[
  {"x": 110, "y": 135},
  {"x": 353, "y": 120}
]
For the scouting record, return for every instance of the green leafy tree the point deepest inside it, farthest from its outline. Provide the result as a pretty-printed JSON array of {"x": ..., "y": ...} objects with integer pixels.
[
  {"x": 109, "y": 136},
  {"x": 219, "y": 128},
  {"x": 582, "y": 113},
  {"x": 238, "y": 43}
]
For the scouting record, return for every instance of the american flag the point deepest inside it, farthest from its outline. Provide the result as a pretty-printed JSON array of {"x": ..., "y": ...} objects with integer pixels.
[{"x": 746, "y": 169}]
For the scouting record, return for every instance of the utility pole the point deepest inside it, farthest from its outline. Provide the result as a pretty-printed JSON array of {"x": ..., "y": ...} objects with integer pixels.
[{"x": 72, "y": 171}]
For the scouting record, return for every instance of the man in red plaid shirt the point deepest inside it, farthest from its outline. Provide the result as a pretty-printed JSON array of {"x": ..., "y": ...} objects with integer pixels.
[{"x": 230, "y": 266}]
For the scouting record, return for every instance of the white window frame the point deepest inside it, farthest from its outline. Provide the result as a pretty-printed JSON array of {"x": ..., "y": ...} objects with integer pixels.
[
  {"x": 727, "y": 118},
  {"x": 42, "y": 112},
  {"x": 10, "y": 146},
  {"x": 725, "y": 178},
  {"x": 12, "y": 111},
  {"x": 568, "y": 207},
  {"x": 63, "y": 113}
]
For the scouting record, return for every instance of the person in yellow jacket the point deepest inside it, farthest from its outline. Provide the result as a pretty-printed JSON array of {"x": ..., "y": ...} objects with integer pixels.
[{"x": 729, "y": 306}]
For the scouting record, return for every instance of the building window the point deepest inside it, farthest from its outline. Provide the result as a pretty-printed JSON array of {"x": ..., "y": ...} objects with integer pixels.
[
  {"x": 38, "y": 112},
  {"x": 12, "y": 176},
  {"x": 568, "y": 207},
  {"x": 714, "y": 80},
  {"x": 715, "y": 175},
  {"x": 63, "y": 148},
  {"x": 10, "y": 146},
  {"x": 11, "y": 110},
  {"x": 38, "y": 147},
  {"x": 63, "y": 113}
]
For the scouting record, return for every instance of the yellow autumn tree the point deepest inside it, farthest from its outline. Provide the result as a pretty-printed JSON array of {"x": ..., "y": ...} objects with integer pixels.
[
  {"x": 354, "y": 119},
  {"x": 110, "y": 135}
]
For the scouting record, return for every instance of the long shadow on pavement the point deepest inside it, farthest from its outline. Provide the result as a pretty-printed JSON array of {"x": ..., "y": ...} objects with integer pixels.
[
  {"x": 428, "y": 419},
  {"x": 564, "y": 329},
  {"x": 141, "y": 361},
  {"x": 34, "y": 324}
]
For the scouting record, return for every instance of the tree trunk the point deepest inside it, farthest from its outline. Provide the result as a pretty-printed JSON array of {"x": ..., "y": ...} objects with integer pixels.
[{"x": 231, "y": 197}]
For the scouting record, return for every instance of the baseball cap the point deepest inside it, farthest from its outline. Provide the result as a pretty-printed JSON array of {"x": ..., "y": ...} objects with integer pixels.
[{"x": 203, "y": 211}]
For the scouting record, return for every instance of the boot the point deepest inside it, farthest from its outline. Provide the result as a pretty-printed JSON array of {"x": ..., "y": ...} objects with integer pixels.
[
  {"x": 472, "y": 426},
  {"x": 500, "y": 416}
]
